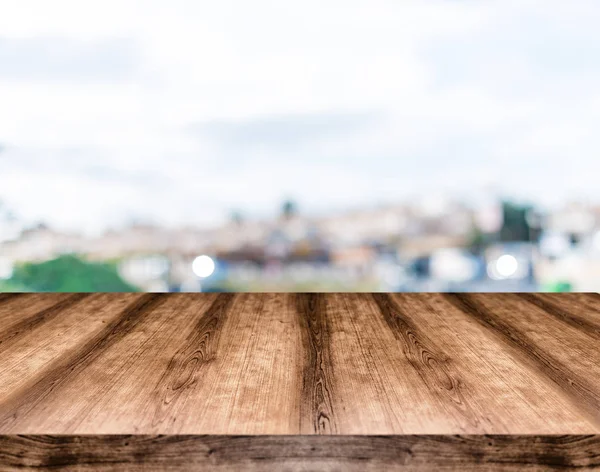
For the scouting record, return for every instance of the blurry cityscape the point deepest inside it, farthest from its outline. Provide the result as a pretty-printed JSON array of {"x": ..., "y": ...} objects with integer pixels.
[
  {"x": 444, "y": 245},
  {"x": 302, "y": 146}
]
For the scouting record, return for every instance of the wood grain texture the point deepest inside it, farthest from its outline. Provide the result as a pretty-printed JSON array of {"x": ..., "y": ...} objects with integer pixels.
[
  {"x": 300, "y": 373},
  {"x": 543, "y": 346},
  {"x": 316, "y": 411},
  {"x": 300, "y": 453}
]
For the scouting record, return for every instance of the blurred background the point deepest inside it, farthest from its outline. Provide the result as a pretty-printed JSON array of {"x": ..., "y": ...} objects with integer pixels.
[{"x": 436, "y": 145}]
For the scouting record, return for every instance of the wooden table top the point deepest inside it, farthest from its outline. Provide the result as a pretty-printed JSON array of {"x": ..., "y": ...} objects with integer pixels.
[{"x": 300, "y": 364}]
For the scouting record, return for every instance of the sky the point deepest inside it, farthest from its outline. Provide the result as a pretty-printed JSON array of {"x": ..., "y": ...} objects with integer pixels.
[{"x": 180, "y": 111}]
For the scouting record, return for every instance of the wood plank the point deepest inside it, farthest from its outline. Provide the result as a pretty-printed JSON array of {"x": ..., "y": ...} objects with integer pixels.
[
  {"x": 566, "y": 355},
  {"x": 43, "y": 337},
  {"x": 28, "y": 398},
  {"x": 581, "y": 312},
  {"x": 300, "y": 453},
  {"x": 329, "y": 381},
  {"x": 112, "y": 381},
  {"x": 251, "y": 384},
  {"x": 21, "y": 314},
  {"x": 317, "y": 411},
  {"x": 480, "y": 378}
]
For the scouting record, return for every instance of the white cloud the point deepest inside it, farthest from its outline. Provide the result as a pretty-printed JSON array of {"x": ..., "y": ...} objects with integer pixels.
[{"x": 462, "y": 89}]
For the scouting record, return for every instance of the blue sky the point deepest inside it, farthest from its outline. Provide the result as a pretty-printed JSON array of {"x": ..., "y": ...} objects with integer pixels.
[{"x": 182, "y": 110}]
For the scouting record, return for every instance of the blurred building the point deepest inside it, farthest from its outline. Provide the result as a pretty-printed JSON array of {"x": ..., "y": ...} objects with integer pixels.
[{"x": 421, "y": 245}]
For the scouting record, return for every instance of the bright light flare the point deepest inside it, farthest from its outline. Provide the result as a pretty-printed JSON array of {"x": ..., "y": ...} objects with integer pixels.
[
  {"x": 203, "y": 266},
  {"x": 507, "y": 265}
]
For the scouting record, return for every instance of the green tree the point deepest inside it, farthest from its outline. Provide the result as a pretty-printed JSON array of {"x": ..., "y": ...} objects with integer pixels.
[
  {"x": 69, "y": 273},
  {"x": 8, "y": 286}
]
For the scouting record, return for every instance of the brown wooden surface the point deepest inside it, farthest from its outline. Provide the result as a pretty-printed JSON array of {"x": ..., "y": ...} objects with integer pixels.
[
  {"x": 301, "y": 364},
  {"x": 303, "y": 453}
]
